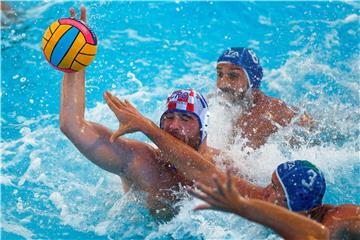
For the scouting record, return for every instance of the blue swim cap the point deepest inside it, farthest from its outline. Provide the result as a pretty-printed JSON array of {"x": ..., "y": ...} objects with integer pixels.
[
  {"x": 247, "y": 59},
  {"x": 303, "y": 183}
]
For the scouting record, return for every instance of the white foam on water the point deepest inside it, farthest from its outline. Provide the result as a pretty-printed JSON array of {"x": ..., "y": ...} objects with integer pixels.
[
  {"x": 332, "y": 39},
  {"x": 34, "y": 165},
  {"x": 16, "y": 229},
  {"x": 133, "y": 34},
  {"x": 6, "y": 180},
  {"x": 102, "y": 227},
  {"x": 264, "y": 20},
  {"x": 335, "y": 23}
]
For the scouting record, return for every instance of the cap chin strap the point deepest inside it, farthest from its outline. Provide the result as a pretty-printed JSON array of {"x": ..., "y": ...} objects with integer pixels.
[
  {"x": 285, "y": 191},
  {"x": 247, "y": 77}
]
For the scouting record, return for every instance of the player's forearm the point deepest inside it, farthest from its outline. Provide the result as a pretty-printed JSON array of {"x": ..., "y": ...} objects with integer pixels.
[
  {"x": 183, "y": 157},
  {"x": 287, "y": 224},
  {"x": 72, "y": 99}
]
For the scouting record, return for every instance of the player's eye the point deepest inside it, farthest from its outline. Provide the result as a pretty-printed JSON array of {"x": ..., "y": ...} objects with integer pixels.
[{"x": 233, "y": 75}]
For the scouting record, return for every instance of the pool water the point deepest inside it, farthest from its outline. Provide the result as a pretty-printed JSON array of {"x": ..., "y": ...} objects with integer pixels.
[{"x": 310, "y": 55}]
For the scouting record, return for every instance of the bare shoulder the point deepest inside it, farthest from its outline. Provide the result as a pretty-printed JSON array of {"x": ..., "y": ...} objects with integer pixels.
[
  {"x": 345, "y": 211},
  {"x": 343, "y": 214},
  {"x": 278, "y": 104},
  {"x": 343, "y": 221},
  {"x": 139, "y": 150},
  {"x": 277, "y": 109},
  {"x": 269, "y": 102}
]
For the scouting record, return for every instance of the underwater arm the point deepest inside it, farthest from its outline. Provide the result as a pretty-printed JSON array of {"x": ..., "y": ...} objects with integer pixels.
[{"x": 287, "y": 224}]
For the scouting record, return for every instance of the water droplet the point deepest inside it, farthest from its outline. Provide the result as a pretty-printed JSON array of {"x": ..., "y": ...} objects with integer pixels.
[
  {"x": 25, "y": 131},
  {"x": 20, "y": 119}
]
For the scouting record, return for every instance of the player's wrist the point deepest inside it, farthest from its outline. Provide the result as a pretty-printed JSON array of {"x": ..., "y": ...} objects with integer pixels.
[{"x": 146, "y": 126}]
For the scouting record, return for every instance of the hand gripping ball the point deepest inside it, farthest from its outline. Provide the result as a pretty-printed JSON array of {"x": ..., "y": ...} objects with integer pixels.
[{"x": 69, "y": 45}]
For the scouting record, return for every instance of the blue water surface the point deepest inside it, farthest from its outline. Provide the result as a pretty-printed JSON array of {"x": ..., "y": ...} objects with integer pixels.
[{"x": 310, "y": 55}]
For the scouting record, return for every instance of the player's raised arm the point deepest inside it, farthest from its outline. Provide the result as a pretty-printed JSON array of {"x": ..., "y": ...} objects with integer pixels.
[{"x": 92, "y": 139}]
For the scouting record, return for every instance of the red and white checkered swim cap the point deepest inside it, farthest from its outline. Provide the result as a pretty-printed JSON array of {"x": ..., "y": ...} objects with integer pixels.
[{"x": 189, "y": 101}]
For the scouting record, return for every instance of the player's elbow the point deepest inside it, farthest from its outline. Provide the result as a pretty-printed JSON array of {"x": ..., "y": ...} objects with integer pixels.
[
  {"x": 69, "y": 127},
  {"x": 65, "y": 129},
  {"x": 324, "y": 233}
]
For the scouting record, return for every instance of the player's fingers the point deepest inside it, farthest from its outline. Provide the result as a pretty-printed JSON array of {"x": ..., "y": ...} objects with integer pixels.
[
  {"x": 219, "y": 187},
  {"x": 118, "y": 101},
  {"x": 203, "y": 207},
  {"x": 109, "y": 102},
  {"x": 83, "y": 13},
  {"x": 210, "y": 193},
  {"x": 118, "y": 133},
  {"x": 228, "y": 181},
  {"x": 72, "y": 13}
]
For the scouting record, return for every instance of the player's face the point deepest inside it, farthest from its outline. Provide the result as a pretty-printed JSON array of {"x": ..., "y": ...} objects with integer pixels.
[
  {"x": 232, "y": 81},
  {"x": 183, "y": 126},
  {"x": 276, "y": 193}
]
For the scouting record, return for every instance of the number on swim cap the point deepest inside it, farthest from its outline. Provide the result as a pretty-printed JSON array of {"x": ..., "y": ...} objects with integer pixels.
[
  {"x": 253, "y": 56},
  {"x": 312, "y": 176}
]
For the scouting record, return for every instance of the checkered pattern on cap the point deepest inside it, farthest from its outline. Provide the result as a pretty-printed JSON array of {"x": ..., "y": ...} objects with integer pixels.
[{"x": 182, "y": 100}]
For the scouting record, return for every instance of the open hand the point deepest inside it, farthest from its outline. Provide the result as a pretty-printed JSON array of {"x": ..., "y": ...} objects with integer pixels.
[
  {"x": 130, "y": 120},
  {"x": 223, "y": 197}
]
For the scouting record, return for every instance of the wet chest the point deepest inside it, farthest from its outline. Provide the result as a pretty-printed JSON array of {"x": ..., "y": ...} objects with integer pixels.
[
  {"x": 157, "y": 177},
  {"x": 259, "y": 123}
]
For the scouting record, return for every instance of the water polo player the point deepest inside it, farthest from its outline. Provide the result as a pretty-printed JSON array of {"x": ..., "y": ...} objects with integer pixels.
[
  {"x": 239, "y": 75},
  {"x": 140, "y": 165},
  {"x": 298, "y": 186}
]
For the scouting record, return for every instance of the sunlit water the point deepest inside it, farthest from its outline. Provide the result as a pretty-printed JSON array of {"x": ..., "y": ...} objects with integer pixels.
[{"x": 310, "y": 55}]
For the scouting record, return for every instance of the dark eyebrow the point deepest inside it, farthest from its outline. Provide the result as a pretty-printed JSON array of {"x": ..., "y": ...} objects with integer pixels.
[{"x": 187, "y": 115}]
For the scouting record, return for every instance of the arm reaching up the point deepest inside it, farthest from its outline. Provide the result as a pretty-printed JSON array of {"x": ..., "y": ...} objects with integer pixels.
[{"x": 92, "y": 139}]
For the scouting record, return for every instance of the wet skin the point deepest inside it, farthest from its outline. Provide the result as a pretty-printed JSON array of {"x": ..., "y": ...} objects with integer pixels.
[
  {"x": 140, "y": 165},
  {"x": 232, "y": 81},
  {"x": 183, "y": 126},
  {"x": 263, "y": 116}
]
